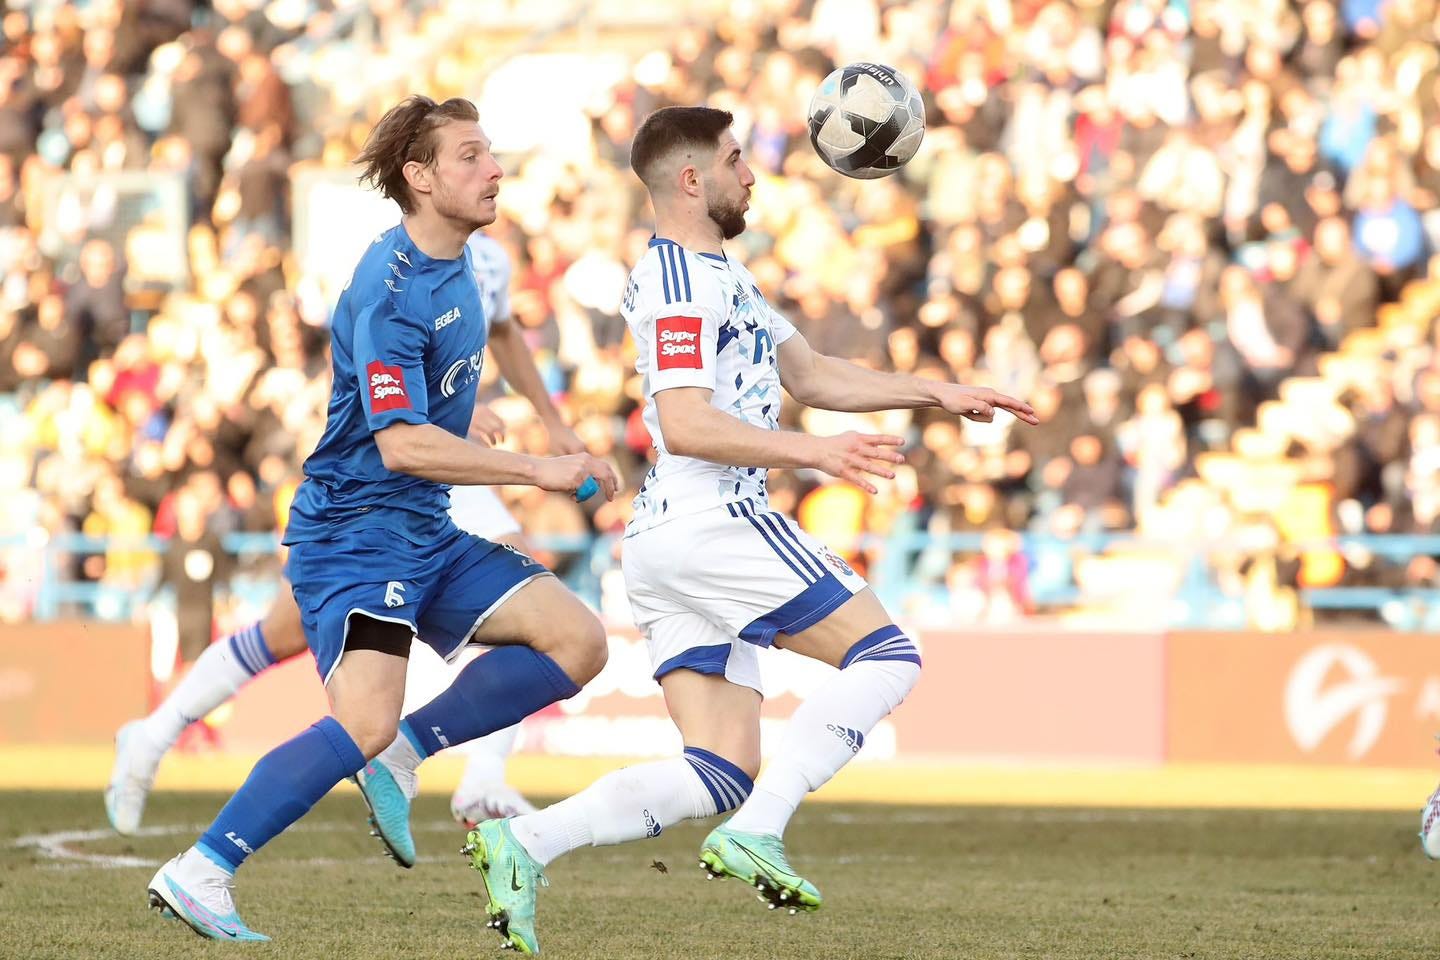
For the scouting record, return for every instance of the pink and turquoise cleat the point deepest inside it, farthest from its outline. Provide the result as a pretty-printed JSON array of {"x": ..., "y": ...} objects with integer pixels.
[
  {"x": 192, "y": 889},
  {"x": 388, "y": 791}
]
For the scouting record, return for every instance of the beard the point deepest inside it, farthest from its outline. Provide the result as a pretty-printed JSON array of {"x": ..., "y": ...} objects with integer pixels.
[
  {"x": 728, "y": 216},
  {"x": 452, "y": 207}
]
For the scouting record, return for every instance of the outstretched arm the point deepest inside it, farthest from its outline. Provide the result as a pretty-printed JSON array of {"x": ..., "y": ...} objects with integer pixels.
[
  {"x": 834, "y": 384},
  {"x": 693, "y": 427}
]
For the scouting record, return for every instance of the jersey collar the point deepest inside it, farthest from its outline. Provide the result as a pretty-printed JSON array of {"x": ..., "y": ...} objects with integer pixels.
[
  {"x": 656, "y": 241},
  {"x": 417, "y": 256}
]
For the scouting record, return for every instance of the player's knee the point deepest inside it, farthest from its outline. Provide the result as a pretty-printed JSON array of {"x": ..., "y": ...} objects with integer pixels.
[
  {"x": 576, "y": 640},
  {"x": 892, "y": 657},
  {"x": 740, "y": 749},
  {"x": 591, "y": 650},
  {"x": 897, "y": 678},
  {"x": 372, "y": 734},
  {"x": 580, "y": 646},
  {"x": 747, "y": 760}
]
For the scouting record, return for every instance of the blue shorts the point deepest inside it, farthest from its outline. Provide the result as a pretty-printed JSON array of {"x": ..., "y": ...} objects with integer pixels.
[{"x": 442, "y": 592}]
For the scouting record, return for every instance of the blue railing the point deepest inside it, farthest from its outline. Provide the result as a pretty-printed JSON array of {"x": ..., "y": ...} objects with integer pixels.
[{"x": 907, "y": 565}]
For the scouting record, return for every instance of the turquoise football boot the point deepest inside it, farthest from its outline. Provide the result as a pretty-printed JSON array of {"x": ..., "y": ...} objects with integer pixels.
[
  {"x": 511, "y": 877},
  {"x": 758, "y": 859}
]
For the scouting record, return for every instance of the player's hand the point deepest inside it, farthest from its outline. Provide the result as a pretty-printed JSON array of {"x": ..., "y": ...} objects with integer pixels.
[
  {"x": 980, "y": 403},
  {"x": 563, "y": 440},
  {"x": 850, "y": 456},
  {"x": 567, "y": 474},
  {"x": 486, "y": 426}
]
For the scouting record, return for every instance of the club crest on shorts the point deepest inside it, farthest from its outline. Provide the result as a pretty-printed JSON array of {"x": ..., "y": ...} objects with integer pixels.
[{"x": 836, "y": 561}]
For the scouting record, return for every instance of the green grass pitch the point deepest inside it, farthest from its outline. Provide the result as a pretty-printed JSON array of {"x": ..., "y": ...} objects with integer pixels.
[{"x": 901, "y": 883}]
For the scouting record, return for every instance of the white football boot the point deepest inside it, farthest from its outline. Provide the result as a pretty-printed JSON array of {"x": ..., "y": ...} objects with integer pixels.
[
  {"x": 193, "y": 889},
  {"x": 474, "y": 803},
  {"x": 136, "y": 760}
]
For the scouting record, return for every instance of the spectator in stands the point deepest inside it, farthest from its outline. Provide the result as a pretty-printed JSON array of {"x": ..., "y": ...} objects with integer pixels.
[
  {"x": 1420, "y": 510},
  {"x": 1264, "y": 329},
  {"x": 1367, "y": 468},
  {"x": 1092, "y": 479},
  {"x": 194, "y": 566},
  {"x": 1388, "y": 231},
  {"x": 1340, "y": 288},
  {"x": 1152, "y": 444},
  {"x": 1203, "y": 395},
  {"x": 95, "y": 307},
  {"x": 49, "y": 347}
]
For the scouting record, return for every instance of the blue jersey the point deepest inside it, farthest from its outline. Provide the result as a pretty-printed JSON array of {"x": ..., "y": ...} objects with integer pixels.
[{"x": 406, "y": 342}]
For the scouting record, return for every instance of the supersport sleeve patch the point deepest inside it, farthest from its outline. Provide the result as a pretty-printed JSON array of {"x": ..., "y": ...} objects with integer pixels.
[
  {"x": 386, "y": 385},
  {"x": 677, "y": 344}
]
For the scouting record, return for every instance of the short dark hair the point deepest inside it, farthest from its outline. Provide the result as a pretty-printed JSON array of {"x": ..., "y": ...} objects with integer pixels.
[
  {"x": 674, "y": 128},
  {"x": 407, "y": 132}
]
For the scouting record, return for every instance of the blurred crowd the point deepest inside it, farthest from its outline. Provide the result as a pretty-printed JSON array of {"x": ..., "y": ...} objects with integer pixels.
[{"x": 1145, "y": 216}]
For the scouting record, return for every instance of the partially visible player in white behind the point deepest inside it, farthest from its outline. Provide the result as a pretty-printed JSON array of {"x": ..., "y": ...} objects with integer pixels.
[
  {"x": 226, "y": 666},
  {"x": 1430, "y": 826}
]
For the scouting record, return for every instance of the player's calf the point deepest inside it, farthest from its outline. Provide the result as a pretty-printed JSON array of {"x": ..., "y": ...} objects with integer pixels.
[
  {"x": 826, "y": 732},
  {"x": 877, "y": 672}
]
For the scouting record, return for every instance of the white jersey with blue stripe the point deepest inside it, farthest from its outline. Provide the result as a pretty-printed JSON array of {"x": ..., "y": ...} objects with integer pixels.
[
  {"x": 699, "y": 320},
  {"x": 492, "y": 275}
]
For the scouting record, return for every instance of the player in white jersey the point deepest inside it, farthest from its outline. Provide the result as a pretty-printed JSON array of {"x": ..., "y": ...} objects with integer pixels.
[
  {"x": 226, "y": 666},
  {"x": 1430, "y": 826},
  {"x": 713, "y": 574}
]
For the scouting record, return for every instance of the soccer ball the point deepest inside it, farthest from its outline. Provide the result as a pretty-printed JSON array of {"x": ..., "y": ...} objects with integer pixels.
[{"x": 866, "y": 120}]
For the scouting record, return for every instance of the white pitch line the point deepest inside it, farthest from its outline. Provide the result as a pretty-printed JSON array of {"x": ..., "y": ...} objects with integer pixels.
[{"x": 57, "y": 846}]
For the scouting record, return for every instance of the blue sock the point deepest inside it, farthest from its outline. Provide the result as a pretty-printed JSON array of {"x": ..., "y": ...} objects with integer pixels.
[
  {"x": 250, "y": 649},
  {"x": 495, "y": 691},
  {"x": 284, "y": 785}
]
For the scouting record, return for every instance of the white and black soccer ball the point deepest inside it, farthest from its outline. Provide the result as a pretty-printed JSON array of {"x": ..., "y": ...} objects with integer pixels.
[{"x": 866, "y": 120}]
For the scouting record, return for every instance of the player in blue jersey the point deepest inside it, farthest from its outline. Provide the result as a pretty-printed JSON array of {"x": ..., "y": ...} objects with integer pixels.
[
  {"x": 375, "y": 559},
  {"x": 230, "y": 663},
  {"x": 714, "y": 357}
]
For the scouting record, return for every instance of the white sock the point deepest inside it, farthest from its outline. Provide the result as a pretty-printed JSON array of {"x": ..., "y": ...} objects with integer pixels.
[
  {"x": 829, "y": 728},
  {"x": 632, "y": 803},
  {"x": 402, "y": 752},
  {"x": 217, "y": 674},
  {"x": 485, "y": 758}
]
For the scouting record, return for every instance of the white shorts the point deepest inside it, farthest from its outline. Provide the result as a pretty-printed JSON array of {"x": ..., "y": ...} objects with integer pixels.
[
  {"x": 478, "y": 510},
  {"x": 708, "y": 590}
]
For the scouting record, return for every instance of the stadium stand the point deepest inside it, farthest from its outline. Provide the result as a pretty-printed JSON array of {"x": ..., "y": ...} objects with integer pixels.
[{"x": 1200, "y": 236}]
